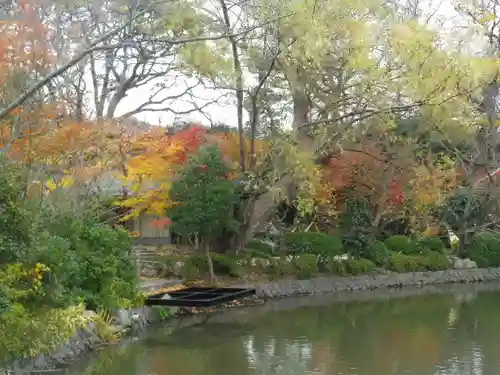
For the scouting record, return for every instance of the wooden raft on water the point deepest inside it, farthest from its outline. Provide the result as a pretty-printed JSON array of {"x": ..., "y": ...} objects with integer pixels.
[{"x": 197, "y": 296}]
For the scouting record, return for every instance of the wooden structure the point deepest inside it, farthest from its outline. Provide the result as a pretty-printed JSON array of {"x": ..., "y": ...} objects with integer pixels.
[{"x": 198, "y": 296}]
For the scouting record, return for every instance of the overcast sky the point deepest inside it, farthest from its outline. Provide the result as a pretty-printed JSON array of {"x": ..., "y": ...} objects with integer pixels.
[{"x": 443, "y": 17}]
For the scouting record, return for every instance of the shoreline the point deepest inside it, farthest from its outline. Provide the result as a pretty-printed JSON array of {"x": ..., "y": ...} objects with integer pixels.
[{"x": 276, "y": 293}]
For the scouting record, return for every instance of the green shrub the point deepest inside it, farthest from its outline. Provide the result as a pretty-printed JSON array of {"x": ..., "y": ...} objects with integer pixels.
[
  {"x": 189, "y": 271},
  {"x": 280, "y": 267},
  {"x": 428, "y": 261},
  {"x": 43, "y": 330},
  {"x": 357, "y": 266},
  {"x": 95, "y": 264},
  {"x": 485, "y": 249},
  {"x": 434, "y": 261},
  {"x": 260, "y": 247},
  {"x": 251, "y": 253},
  {"x": 378, "y": 253},
  {"x": 402, "y": 244},
  {"x": 165, "y": 265},
  {"x": 432, "y": 244},
  {"x": 54, "y": 255},
  {"x": 317, "y": 243},
  {"x": 337, "y": 267},
  {"x": 307, "y": 265},
  {"x": 223, "y": 265},
  {"x": 401, "y": 263}
]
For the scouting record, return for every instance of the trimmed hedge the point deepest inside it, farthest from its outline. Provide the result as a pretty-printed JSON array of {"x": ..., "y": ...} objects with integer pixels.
[
  {"x": 223, "y": 265},
  {"x": 260, "y": 247},
  {"x": 402, "y": 244},
  {"x": 432, "y": 244},
  {"x": 306, "y": 265},
  {"x": 378, "y": 253},
  {"x": 430, "y": 261},
  {"x": 485, "y": 249},
  {"x": 357, "y": 266},
  {"x": 317, "y": 243}
]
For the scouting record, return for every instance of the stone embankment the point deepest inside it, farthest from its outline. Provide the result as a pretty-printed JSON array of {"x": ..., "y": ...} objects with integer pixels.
[{"x": 383, "y": 279}]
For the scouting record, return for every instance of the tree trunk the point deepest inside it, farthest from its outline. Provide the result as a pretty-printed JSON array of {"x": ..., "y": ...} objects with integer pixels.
[
  {"x": 211, "y": 273},
  {"x": 263, "y": 207},
  {"x": 239, "y": 82}
]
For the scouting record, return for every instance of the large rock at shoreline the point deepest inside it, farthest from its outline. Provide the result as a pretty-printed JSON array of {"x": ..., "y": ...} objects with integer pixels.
[{"x": 459, "y": 263}]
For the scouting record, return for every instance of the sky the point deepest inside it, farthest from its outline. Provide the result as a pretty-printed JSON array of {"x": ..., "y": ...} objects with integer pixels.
[{"x": 224, "y": 111}]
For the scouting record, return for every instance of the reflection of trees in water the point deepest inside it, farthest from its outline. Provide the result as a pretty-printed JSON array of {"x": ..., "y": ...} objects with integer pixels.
[
  {"x": 406, "y": 335},
  {"x": 290, "y": 358},
  {"x": 409, "y": 335}
]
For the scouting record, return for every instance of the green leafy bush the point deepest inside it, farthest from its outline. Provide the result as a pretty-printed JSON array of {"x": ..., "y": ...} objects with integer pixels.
[
  {"x": 378, "y": 253},
  {"x": 428, "y": 261},
  {"x": 252, "y": 253},
  {"x": 189, "y": 271},
  {"x": 357, "y": 266},
  {"x": 96, "y": 265},
  {"x": 337, "y": 267},
  {"x": 432, "y": 244},
  {"x": 485, "y": 249},
  {"x": 42, "y": 330},
  {"x": 223, "y": 264},
  {"x": 355, "y": 222},
  {"x": 317, "y": 243},
  {"x": 260, "y": 247},
  {"x": 53, "y": 257},
  {"x": 403, "y": 263},
  {"x": 402, "y": 244},
  {"x": 281, "y": 267},
  {"x": 434, "y": 261},
  {"x": 307, "y": 265}
]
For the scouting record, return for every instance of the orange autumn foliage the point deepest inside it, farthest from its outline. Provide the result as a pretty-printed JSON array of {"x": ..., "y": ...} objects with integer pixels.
[
  {"x": 23, "y": 42},
  {"x": 151, "y": 167},
  {"x": 364, "y": 171},
  {"x": 154, "y": 158},
  {"x": 229, "y": 144}
]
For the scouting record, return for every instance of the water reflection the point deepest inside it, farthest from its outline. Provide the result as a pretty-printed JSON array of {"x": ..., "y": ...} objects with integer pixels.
[{"x": 445, "y": 334}]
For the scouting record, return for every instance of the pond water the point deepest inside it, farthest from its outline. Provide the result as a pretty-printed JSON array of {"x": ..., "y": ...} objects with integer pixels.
[{"x": 453, "y": 331}]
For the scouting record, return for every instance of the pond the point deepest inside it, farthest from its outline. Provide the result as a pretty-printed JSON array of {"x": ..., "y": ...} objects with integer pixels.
[{"x": 445, "y": 330}]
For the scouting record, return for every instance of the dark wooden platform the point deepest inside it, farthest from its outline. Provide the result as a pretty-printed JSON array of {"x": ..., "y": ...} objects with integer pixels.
[{"x": 198, "y": 296}]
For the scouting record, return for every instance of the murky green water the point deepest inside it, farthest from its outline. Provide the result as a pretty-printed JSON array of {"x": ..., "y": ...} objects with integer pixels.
[{"x": 453, "y": 332}]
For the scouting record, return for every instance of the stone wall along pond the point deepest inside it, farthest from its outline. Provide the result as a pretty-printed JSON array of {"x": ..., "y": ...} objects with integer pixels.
[{"x": 283, "y": 288}]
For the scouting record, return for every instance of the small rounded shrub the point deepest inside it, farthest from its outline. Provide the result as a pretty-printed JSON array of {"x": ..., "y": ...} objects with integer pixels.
[
  {"x": 428, "y": 261},
  {"x": 317, "y": 243},
  {"x": 432, "y": 244},
  {"x": 378, "y": 253},
  {"x": 260, "y": 247},
  {"x": 434, "y": 261},
  {"x": 248, "y": 253},
  {"x": 223, "y": 265},
  {"x": 307, "y": 265},
  {"x": 336, "y": 267},
  {"x": 404, "y": 263},
  {"x": 402, "y": 244},
  {"x": 280, "y": 267},
  {"x": 189, "y": 271},
  {"x": 357, "y": 266},
  {"x": 485, "y": 249}
]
